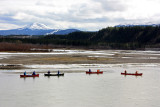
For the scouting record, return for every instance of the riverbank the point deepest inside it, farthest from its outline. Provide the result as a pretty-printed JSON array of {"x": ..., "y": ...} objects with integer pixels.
[{"x": 63, "y": 56}]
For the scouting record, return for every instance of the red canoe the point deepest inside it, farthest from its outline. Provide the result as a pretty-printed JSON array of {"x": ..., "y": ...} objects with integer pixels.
[
  {"x": 37, "y": 75},
  {"x": 100, "y": 72},
  {"x": 136, "y": 74}
]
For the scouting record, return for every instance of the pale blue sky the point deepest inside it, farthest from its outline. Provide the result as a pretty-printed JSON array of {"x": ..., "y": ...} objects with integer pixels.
[{"x": 80, "y": 14}]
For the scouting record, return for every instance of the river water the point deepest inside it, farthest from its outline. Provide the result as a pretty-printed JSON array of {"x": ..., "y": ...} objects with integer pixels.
[
  {"x": 81, "y": 90},
  {"x": 78, "y": 89}
]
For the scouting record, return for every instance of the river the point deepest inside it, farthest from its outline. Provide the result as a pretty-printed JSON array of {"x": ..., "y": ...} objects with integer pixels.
[
  {"x": 109, "y": 89},
  {"x": 78, "y": 89}
]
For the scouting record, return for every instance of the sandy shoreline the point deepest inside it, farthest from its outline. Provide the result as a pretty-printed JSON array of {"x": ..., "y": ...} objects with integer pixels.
[{"x": 78, "y": 57}]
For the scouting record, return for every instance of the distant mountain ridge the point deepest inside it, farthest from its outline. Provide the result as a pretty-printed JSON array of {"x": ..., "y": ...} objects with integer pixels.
[
  {"x": 129, "y": 37},
  {"x": 39, "y": 26},
  {"x": 131, "y": 25},
  {"x": 37, "y": 29}
]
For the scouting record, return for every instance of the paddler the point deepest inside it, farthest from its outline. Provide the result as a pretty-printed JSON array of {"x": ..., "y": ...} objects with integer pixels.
[
  {"x": 49, "y": 72},
  {"x": 58, "y": 72},
  {"x": 34, "y": 73},
  {"x": 25, "y": 73},
  {"x": 125, "y": 72}
]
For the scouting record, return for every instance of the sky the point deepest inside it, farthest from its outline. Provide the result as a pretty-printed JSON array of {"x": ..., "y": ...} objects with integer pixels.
[{"x": 87, "y": 15}]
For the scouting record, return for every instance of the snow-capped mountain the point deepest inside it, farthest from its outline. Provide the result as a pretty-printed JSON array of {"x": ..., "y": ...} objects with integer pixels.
[
  {"x": 34, "y": 26},
  {"x": 130, "y": 25},
  {"x": 36, "y": 29}
]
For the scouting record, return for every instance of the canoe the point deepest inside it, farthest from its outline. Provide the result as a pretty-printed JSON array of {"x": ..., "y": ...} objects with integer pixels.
[
  {"x": 54, "y": 74},
  {"x": 136, "y": 74},
  {"x": 37, "y": 75},
  {"x": 100, "y": 72}
]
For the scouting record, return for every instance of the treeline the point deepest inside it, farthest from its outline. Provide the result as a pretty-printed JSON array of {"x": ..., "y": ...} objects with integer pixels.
[
  {"x": 76, "y": 39},
  {"x": 132, "y": 37}
]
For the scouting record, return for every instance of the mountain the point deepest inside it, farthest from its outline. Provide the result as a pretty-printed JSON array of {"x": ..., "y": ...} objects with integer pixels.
[
  {"x": 135, "y": 37},
  {"x": 36, "y": 29},
  {"x": 67, "y": 31},
  {"x": 131, "y": 25},
  {"x": 38, "y": 26}
]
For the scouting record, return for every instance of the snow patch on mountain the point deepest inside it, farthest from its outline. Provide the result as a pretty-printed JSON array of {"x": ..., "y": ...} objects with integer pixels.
[
  {"x": 35, "y": 26},
  {"x": 137, "y": 24},
  {"x": 54, "y": 31}
]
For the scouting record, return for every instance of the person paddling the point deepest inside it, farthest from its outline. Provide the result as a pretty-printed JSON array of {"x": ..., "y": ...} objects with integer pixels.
[
  {"x": 89, "y": 70},
  {"x": 25, "y": 73},
  {"x": 49, "y": 72},
  {"x": 58, "y": 72},
  {"x": 34, "y": 73},
  {"x": 125, "y": 72}
]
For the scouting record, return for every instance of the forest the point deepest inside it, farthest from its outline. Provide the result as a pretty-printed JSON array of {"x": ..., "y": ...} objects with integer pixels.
[{"x": 131, "y": 37}]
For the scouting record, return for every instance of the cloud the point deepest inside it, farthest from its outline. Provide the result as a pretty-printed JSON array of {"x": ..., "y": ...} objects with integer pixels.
[
  {"x": 83, "y": 14},
  {"x": 5, "y": 26},
  {"x": 112, "y": 5},
  {"x": 7, "y": 18}
]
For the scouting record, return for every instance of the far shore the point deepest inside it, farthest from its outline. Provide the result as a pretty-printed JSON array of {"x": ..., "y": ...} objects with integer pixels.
[{"x": 77, "y": 57}]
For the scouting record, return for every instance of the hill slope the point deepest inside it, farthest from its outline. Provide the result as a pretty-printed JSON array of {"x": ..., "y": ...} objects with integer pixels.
[{"x": 132, "y": 37}]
